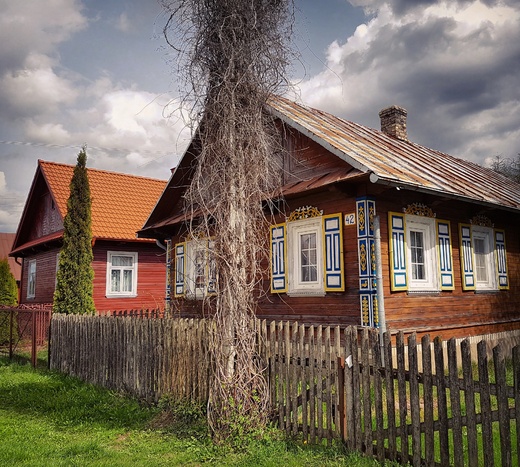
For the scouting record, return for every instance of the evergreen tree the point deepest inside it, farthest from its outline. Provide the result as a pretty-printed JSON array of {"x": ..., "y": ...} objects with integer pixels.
[
  {"x": 9, "y": 297},
  {"x": 74, "y": 286},
  {"x": 8, "y": 288}
]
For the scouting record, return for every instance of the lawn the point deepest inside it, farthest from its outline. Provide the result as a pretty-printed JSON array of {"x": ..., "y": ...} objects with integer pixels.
[{"x": 47, "y": 419}]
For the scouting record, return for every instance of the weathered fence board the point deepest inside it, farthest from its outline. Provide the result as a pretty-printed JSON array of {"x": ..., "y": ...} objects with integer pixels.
[{"x": 420, "y": 404}]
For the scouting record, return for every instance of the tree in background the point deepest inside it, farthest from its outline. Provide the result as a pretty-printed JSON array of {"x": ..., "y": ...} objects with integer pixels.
[
  {"x": 8, "y": 297},
  {"x": 236, "y": 53},
  {"x": 509, "y": 166},
  {"x": 74, "y": 284}
]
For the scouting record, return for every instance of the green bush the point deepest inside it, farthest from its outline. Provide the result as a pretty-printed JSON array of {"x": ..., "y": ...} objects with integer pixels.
[{"x": 8, "y": 297}]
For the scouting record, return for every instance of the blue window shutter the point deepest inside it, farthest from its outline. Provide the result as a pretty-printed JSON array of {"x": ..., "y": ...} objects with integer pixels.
[
  {"x": 180, "y": 269},
  {"x": 500, "y": 250},
  {"x": 445, "y": 255},
  {"x": 396, "y": 230},
  {"x": 333, "y": 248},
  {"x": 466, "y": 257},
  {"x": 278, "y": 258}
]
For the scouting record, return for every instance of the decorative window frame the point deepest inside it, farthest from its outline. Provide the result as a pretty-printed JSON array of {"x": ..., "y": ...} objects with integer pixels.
[
  {"x": 184, "y": 276},
  {"x": 109, "y": 293},
  {"x": 496, "y": 257},
  {"x": 284, "y": 256},
  {"x": 439, "y": 251}
]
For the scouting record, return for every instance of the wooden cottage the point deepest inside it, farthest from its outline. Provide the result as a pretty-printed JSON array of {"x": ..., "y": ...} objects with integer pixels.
[
  {"x": 445, "y": 231},
  {"x": 129, "y": 273}
]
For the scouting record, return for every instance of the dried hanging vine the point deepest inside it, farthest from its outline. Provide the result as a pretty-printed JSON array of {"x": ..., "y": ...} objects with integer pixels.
[{"x": 235, "y": 55}]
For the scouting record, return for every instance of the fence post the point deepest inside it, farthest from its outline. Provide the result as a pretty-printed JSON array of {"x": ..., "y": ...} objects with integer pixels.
[
  {"x": 11, "y": 320},
  {"x": 34, "y": 337},
  {"x": 341, "y": 392}
]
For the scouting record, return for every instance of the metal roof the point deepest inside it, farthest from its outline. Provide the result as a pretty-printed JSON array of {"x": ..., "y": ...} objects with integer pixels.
[{"x": 397, "y": 162}]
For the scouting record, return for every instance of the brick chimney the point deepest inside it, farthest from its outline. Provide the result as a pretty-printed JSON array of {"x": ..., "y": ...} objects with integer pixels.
[{"x": 393, "y": 122}]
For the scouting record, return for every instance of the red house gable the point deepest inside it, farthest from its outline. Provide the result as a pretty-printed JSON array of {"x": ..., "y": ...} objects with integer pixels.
[{"x": 120, "y": 205}]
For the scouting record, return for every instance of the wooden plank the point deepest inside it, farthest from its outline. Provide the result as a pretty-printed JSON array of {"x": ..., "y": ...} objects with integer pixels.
[
  {"x": 303, "y": 382},
  {"x": 352, "y": 400},
  {"x": 415, "y": 410},
  {"x": 503, "y": 406},
  {"x": 402, "y": 397},
  {"x": 469, "y": 399},
  {"x": 319, "y": 383},
  {"x": 378, "y": 395},
  {"x": 293, "y": 360},
  {"x": 458, "y": 451},
  {"x": 485, "y": 405},
  {"x": 442, "y": 403},
  {"x": 366, "y": 391},
  {"x": 337, "y": 353},
  {"x": 328, "y": 385},
  {"x": 516, "y": 385},
  {"x": 390, "y": 399},
  {"x": 312, "y": 385},
  {"x": 429, "y": 440},
  {"x": 281, "y": 376}
]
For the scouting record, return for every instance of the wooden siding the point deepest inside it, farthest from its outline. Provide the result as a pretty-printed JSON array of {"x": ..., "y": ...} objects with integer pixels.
[
  {"x": 151, "y": 276},
  {"x": 454, "y": 313},
  {"x": 45, "y": 277},
  {"x": 47, "y": 218}
]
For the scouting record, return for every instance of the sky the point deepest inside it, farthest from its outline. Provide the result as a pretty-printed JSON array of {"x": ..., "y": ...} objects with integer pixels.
[{"x": 99, "y": 72}]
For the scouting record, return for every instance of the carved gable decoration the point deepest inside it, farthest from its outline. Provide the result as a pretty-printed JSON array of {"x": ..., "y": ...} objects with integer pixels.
[
  {"x": 482, "y": 221},
  {"x": 418, "y": 209},
  {"x": 305, "y": 212}
]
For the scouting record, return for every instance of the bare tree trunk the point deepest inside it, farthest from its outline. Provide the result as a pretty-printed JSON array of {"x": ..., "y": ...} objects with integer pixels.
[{"x": 236, "y": 57}]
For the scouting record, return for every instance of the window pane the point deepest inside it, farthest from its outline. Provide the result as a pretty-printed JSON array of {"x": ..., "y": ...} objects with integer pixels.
[
  {"x": 115, "y": 281},
  {"x": 127, "y": 280},
  {"x": 122, "y": 261},
  {"x": 417, "y": 255},
  {"x": 308, "y": 258},
  {"x": 479, "y": 248}
]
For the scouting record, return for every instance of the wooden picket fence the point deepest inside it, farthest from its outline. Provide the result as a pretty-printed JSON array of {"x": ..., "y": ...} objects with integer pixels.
[{"x": 423, "y": 404}]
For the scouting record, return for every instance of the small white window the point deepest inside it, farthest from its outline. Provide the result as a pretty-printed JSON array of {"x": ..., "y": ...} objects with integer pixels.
[
  {"x": 483, "y": 252},
  {"x": 121, "y": 274},
  {"x": 31, "y": 279},
  {"x": 305, "y": 256},
  {"x": 421, "y": 253}
]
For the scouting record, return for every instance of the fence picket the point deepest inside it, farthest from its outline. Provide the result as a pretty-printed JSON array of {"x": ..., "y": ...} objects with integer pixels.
[{"x": 150, "y": 357}]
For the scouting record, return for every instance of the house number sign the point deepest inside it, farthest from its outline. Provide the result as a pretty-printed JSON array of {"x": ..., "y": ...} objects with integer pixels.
[{"x": 350, "y": 219}]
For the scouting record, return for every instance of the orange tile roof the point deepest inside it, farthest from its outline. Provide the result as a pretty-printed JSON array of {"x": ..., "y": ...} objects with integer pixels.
[{"x": 121, "y": 203}]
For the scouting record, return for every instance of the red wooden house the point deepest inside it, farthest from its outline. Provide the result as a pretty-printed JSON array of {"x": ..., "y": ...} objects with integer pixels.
[
  {"x": 445, "y": 231},
  {"x": 129, "y": 273}
]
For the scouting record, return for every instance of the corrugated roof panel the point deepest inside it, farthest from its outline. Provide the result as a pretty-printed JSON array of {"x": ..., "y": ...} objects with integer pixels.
[{"x": 400, "y": 162}]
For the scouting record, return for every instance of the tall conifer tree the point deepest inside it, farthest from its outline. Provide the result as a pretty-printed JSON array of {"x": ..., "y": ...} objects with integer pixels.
[
  {"x": 8, "y": 288},
  {"x": 74, "y": 285}
]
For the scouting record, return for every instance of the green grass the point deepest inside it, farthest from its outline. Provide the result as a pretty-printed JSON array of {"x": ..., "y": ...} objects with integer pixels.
[{"x": 47, "y": 419}]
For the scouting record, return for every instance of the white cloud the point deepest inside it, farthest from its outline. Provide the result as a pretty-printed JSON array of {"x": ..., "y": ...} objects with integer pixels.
[
  {"x": 452, "y": 65},
  {"x": 123, "y": 23}
]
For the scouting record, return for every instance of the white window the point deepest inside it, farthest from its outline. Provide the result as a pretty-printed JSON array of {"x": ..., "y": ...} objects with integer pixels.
[
  {"x": 307, "y": 256},
  {"x": 195, "y": 269},
  {"x": 121, "y": 274},
  {"x": 483, "y": 258},
  {"x": 483, "y": 252},
  {"x": 421, "y": 253},
  {"x": 31, "y": 279}
]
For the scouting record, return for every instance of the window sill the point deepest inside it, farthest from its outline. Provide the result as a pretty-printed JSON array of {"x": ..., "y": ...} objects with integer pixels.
[
  {"x": 121, "y": 296},
  {"x": 487, "y": 291},
  {"x": 424, "y": 293},
  {"x": 307, "y": 293}
]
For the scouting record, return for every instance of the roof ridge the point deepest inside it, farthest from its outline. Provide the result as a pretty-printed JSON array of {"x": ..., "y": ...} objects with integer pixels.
[{"x": 110, "y": 172}]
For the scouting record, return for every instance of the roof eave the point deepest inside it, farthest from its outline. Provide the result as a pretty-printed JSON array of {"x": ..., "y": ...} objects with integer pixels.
[{"x": 374, "y": 178}]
